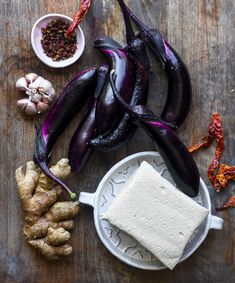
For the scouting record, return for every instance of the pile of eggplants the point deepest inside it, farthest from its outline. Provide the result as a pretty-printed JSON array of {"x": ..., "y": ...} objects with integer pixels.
[
  {"x": 118, "y": 95},
  {"x": 124, "y": 129}
]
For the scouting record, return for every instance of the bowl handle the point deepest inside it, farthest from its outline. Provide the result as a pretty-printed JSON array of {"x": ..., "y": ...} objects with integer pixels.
[
  {"x": 216, "y": 223},
  {"x": 87, "y": 198}
]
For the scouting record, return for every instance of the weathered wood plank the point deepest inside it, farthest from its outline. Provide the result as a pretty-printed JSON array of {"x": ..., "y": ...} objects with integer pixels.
[{"x": 203, "y": 34}]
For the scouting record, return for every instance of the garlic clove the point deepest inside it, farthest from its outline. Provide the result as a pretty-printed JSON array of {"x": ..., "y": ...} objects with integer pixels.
[
  {"x": 21, "y": 102},
  {"x": 27, "y": 107},
  {"x": 31, "y": 77},
  {"x": 42, "y": 107},
  {"x": 47, "y": 99},
  {"x": 21, "y": 84}
]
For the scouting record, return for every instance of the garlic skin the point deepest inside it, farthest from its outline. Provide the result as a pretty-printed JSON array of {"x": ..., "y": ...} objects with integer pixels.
[
  {"x": 40, "y": 94},
  {"x": 27, "y": 107}
]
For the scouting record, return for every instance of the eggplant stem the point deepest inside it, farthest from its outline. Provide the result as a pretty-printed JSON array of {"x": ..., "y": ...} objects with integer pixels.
[
  {"x": 137, "y": 21},
  {"x": 49, "y": 174},
  {"x": 129, "y": 30}
]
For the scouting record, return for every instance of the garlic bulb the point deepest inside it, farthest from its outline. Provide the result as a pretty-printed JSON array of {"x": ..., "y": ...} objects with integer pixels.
[{"x": 40, "y": 94}]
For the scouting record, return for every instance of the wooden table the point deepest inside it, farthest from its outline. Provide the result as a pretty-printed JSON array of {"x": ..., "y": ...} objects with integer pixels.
[{"x": 203, "y": 33}]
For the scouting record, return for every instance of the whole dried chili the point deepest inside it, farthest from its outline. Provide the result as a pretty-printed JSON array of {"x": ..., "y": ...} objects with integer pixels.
[
  {"x": 83, "y": 9},
  {"x": 228, "y": 204},
  {"x": 215, "y": 132},
  {"x": 218, "y": 132},
  {"x": 55, "y": 43}
]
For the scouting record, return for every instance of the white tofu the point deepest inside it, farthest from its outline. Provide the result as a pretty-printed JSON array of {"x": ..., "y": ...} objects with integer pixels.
[{"x": 160, "y": 217}]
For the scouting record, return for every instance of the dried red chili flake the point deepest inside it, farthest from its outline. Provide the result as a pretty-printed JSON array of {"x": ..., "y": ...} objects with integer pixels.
[
  {"x": 230, "y": 203},
  {"x": 83, "y": 9},
  {"x": 215, "y": 132},
  {"x": 55, "y": 43}
]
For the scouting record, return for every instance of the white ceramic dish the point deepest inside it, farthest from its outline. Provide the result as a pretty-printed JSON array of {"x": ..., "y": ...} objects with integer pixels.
[
  {"x": 119, "y": 243},
  {"x": 36, "y": 36}
]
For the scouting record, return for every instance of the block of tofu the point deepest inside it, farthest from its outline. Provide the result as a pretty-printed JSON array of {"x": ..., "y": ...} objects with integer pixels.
[{"x": 160, "y": 217}]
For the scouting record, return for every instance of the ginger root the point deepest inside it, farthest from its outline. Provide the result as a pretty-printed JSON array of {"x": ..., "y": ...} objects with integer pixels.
[{"x": 47, "y": 221}]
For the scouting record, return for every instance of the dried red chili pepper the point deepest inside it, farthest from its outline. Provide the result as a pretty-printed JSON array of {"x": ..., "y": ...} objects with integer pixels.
[
  {"x": 207, "y": 140},
  {"x": 225, "y": 173},
  {"x": 230, "y": 203},
  {"x": 215, "y": 132},
  {"x": 218, "y": 132},
  {"x": 83, "y": 9}
]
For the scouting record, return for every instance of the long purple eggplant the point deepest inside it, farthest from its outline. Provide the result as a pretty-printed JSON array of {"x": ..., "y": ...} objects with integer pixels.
[
  {"x": 62, "y": 112},
  {"x": 108, "y": 113},
  {"x": 176, "y": 156},
  {"x": 79, "y": 150},
  {"x": 179, "y": 84},
  {"x": 125, "y": 129}
]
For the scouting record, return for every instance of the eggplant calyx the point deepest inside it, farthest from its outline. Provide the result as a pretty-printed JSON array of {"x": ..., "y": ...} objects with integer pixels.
[
  {"x": 106, "y": 42},
  {"x": 150, "y": 35},
  {"x": 135, "y": 45}
]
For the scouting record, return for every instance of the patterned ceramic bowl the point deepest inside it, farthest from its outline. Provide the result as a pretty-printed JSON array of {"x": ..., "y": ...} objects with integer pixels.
[{"x": 121, "y": 244}]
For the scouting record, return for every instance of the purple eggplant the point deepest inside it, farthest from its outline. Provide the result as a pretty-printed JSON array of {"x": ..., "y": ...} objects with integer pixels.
[
  {"x": 79, "y": 150},
  {"x": 175, "y": 154},
  {"x": 62, "y": 112},
  {"x": 179, "y": 84},
  {"x": 108, "y": 113},
  {"x": 125, "y": 128}
]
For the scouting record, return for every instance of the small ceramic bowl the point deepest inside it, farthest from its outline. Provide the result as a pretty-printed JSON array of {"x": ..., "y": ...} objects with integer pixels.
[
  {"x": 36, "y": 36},
  {"x": 122, "y": 245}
]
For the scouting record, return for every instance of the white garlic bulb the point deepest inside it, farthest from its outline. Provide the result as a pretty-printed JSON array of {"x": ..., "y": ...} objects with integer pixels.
[{"x": 40, "y": 94}]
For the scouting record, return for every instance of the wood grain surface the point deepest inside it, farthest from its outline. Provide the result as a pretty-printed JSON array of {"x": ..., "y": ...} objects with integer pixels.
[{"x": 203, "y": 33}]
